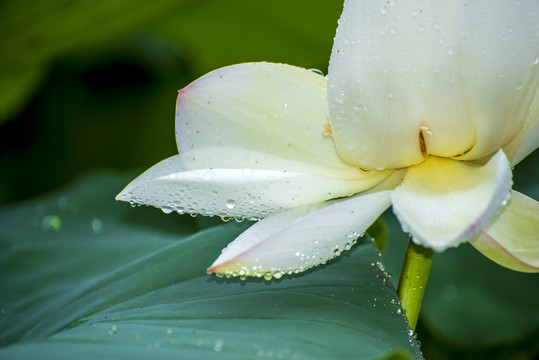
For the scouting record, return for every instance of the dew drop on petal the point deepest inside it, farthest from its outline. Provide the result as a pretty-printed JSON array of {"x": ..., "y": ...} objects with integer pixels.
[
  {"x": 167, "y": 209},
  {"x": 230, "y": 204}
]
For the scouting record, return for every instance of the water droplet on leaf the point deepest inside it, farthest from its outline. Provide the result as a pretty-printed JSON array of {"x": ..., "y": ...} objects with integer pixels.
[{"x": 51, "y": 223}]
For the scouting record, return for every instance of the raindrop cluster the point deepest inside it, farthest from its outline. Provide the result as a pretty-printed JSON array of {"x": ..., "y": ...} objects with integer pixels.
[{"x": 318, "y": 253}]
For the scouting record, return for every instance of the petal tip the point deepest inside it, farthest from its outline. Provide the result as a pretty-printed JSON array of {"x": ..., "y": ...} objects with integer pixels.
[{"x": 121, "y": 197}]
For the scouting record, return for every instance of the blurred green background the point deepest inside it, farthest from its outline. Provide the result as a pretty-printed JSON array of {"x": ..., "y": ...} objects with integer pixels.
[{"x": 91, "y": 85}]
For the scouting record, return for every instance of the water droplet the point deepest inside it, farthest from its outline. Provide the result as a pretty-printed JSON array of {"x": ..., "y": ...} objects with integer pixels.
[
  {"x": 168, "y": 332},
  {"x": 390, "y": 94},
  {"x": 251, "y": 199},
  {"x": 535, "y": 61},
  {"x": 285, "y": 105},
  {"x": 96, "y": 226},
  {"x": 340, "y": 98},
  {"x": 383, "y": 10},
  {"x": 277, "y": 275},
  {"x": 51, "y": 223},
  {"x": 113, "y": 330},
  {"x": 268, "y": 276},
  {"x": 218, "y": 345},
  {"x": 167, "y": 209},
  {"x": 230, "y": 204},
  {"x": 518, "y": 86},
  {"x": 63, "y": 202}
]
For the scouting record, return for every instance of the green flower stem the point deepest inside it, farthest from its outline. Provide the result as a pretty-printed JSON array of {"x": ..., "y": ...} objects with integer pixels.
[{"x": 413, "y": 280}]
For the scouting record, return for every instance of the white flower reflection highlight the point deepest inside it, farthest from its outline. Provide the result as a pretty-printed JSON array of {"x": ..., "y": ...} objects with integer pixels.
[{"x": 426, "y": 107}]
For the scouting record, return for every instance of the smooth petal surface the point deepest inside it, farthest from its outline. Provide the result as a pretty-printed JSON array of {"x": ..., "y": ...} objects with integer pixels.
[
  {"x": 301, "y": 238},
  {"x": 275, "y": 109},
  {"x": 527, "y": 140},
  {"x": 392, "y": 78},
  {"x": 444, "y": 78},
  {"x": 444, "y": 202},
  {"x": 498, "y": 49},
  {"x": 512, "y": 237},
  {"x": 241, "y": 193}
]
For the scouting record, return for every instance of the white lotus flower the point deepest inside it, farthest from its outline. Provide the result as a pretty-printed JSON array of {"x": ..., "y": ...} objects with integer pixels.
[{"x": 427, "y": 107}]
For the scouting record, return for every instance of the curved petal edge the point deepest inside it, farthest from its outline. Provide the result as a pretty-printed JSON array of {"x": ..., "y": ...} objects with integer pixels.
[
  {"x": 298, "y": 239},
  {"x": 511, "y": 239},
  {"x": 243, "y": 193},
  {"x": 444, "y": 202}
]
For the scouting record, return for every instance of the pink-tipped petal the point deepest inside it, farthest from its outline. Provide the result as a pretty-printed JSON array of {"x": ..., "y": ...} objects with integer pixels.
[
  {"x": 298, "y": 239},
  {"x": 276, "y": 109},
  {"x": 512, "y": 238}
]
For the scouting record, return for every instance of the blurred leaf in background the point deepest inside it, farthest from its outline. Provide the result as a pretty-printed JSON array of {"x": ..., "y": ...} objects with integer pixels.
[{"x": 88, "y": 85}]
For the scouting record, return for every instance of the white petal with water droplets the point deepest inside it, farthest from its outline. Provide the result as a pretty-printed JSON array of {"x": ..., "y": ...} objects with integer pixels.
[
  {"x": 498, "y": 47},
  {"x": 511, "y": 239},
  {"x": 238, "y": 158},
  {"x": 276, "y": 109},
  {"x": 295, "y": 240},
  {"x": 239, "y": 193},
  {"x": 460, "y": 75},
  {"x": 378, "y": 63},
  {"x": 444, "y": 202}
]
